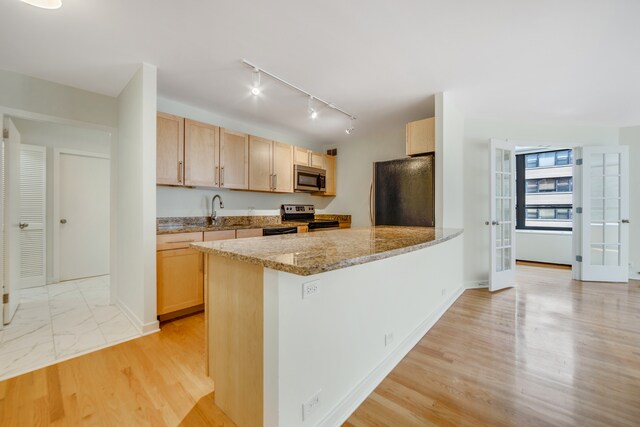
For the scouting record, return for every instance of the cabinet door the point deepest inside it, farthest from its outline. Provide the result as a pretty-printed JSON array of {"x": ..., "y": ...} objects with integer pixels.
[
  {"x": 180, "y": 279},
  {"x": 250, "y": 232},
  {"x": 170, "y": 150},
  {"x": 302, "y": 156},
  {"x": 200, "y": 142},
  {"x": 330, "y": 166},
  {"x": 260, "y": 166},
  {"x": 317, "y": 160},
  {"x": 234, "y": 159},
  {"x": 282, "y": 167},
  {"x": 210, "y": 236},
  {"x": 421, "y": 137}
]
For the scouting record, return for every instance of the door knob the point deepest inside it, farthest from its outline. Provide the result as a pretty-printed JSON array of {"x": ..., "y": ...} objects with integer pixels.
[
  {"x": 23, "y": 225},
  {"x": 625, "y": 221},
  {"x": 63, "y": 221}
]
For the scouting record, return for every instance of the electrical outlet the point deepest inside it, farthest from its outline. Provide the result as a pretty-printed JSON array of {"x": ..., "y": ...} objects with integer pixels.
[
  {"x": 310, "y": 288},
  {"x": 444, "y": 291},
  {"x": 388, "y": 339},
  {"x": 310, "y": 406}
]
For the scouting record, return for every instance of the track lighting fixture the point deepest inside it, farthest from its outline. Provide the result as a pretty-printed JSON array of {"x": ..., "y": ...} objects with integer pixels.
[
  {"x": 255, "y": 90},
  {"x": 350, "y": 129},
  {"x": 313, "y": 112}
]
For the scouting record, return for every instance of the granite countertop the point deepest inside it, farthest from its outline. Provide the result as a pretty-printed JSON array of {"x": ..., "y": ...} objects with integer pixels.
[
  {"x": 312, "y": 253},
  {"x": 175, "y": 225}
]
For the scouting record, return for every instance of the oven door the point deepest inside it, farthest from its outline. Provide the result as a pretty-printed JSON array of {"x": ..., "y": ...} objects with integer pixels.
[{"x": 309, "y": 179}]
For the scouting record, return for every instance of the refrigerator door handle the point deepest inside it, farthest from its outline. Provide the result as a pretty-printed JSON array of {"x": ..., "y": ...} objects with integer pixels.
[{"x": 371, "y": 203}]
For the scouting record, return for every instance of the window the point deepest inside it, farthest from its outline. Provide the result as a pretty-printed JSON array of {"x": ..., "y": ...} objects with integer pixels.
[
  {"x": 564, "y": 185},
  {"x": 549, "y": 159},
  {"x": 544, "y": 187}
]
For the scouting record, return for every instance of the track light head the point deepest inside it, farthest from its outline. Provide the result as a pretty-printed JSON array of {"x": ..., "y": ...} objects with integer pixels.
[
  {"x": 313, "y": 113},
  {"x": 255, "y": 90},
  {"x": 350, "y": 129}
]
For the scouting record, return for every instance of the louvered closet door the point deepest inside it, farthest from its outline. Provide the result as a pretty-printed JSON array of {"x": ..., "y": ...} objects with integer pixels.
[{"x": 32, "y": 215}]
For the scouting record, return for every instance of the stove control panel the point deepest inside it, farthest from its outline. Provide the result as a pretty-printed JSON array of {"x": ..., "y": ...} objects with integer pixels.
[{"x": 298, "y": 209}]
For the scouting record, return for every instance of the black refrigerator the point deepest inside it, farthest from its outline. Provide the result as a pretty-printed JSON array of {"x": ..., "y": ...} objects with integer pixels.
[{"x": 403, "y": 192}]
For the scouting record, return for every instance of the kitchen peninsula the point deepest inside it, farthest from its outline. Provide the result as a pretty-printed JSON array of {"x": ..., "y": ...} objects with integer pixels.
[{"x": 302, "y": 327}]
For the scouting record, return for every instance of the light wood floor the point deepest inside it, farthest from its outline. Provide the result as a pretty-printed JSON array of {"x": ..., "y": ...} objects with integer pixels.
[{"x": 551, "y": 352}]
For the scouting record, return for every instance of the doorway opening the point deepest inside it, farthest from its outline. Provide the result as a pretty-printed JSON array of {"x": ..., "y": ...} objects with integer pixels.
[
  {"x": 544, "y": 205},
  {"x": 57, "y": 216}
]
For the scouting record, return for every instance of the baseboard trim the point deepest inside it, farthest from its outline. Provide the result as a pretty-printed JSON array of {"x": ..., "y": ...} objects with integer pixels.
[
  {"x": 143, "y": 328},
  {"x": 358, "y": 395},
  {"x": 476, "y": 284}
]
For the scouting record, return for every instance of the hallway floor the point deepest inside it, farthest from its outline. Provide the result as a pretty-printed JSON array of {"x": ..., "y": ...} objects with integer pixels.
[{"x": 60, "y": 321}]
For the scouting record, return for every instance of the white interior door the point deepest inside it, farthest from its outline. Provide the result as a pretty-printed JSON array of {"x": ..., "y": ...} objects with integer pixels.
[
  {"x": 11, "y": 295},
  {"x": 33, "y": 213},
  {"x": 503, "y": 215},
  {"x": 604, "y": 222},
  {"x": 83, "y": 215}
]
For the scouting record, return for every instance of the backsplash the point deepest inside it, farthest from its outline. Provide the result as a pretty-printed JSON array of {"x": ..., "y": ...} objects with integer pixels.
[{"x": 196, "y": 202}]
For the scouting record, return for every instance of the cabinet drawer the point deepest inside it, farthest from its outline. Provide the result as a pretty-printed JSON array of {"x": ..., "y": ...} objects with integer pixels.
[
  {"x": 219, "y": 235},
  {"x": 251, "y": 232},
  {"x": 177, "y": 241}
]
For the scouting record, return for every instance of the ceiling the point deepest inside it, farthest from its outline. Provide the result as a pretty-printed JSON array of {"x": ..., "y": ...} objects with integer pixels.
[{"x": 570, "y": 61}]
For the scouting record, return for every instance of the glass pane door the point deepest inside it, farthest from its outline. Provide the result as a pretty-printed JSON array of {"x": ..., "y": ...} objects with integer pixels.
[
  {"x": 502, "y": 215},
  {"x": 605, "y": 213}
]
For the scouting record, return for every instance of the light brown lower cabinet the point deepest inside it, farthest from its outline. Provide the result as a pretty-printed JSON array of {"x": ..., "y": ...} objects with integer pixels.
[
  {"x": 249, "y": 232},
  {"x": 180, "y": 279}
]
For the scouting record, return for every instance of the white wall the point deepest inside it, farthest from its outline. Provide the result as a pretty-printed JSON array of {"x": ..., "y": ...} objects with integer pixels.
[
  {"x": 28, "y": 94},
  {"x": 553, "y": 247},
  {"x": 477, "y": 133},
  {"x": 177, "y": 201},
  {"x": 136, "y": 200},
  {"x": 631, "y": 136},
  {"x": 334, "y": 341},
  {"x": 53, "y": 136},
  {"x": 355, "y": 171},
  {"x": 449, "y": 158}
]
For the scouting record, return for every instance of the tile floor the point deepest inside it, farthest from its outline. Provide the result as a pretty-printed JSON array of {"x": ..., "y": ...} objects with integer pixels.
[{"x": 59, "y": 321}]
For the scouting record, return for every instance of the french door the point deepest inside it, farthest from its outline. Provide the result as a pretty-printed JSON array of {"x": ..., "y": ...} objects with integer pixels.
[
  {"x": 503, "y": 215},
  {"x": 602, "y": 213}
]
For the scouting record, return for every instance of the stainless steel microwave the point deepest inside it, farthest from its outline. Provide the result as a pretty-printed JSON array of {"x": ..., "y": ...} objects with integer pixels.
[{"x": 309, "y": 179}]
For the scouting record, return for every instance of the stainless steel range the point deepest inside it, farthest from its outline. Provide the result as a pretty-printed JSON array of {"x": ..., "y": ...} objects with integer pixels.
[{"x": 306, "y": 214}]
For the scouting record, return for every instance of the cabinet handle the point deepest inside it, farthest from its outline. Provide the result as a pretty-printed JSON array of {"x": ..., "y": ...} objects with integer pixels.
[
  {"x": 216, "y": 176},
  {"x": 275, "y": 181},
  {"x": 222, "y": 176},
  {"x": 180, "y": 171}
]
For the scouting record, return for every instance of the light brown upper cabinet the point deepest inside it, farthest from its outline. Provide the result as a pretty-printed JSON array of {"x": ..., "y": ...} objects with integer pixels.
[
  {"x": 330, "y": 165},
  {"x": 170, "y": 150},
  {"x": 270, "y": 165},
  {"x": 421, "y": 136},
  {"x": 201, "y": 147},
  {"x": 282, "y": 155},
  {"x": 317, "y": 160},
  {"x": 306, "y": 157},
  {"x": 234, "y": 160},
  {"x": 302, "y": 156},
  {"x": 260, "y": 164}
]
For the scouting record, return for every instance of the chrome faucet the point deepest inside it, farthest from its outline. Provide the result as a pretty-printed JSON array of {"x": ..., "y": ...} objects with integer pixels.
[{"x": 214, "y": 217}]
